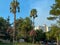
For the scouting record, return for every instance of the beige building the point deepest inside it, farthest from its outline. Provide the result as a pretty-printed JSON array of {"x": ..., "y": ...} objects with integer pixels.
[{"x": 45, "y": 28}]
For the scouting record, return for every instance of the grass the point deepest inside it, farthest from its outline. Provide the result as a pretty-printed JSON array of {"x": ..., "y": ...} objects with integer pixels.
[
  {"x": 26, "y": 44},
  {"x": 17, "y": 44},
  {"x": 5, "y": 43}
]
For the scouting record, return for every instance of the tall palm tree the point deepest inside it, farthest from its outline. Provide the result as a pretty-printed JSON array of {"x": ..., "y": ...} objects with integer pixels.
[
  {"x": 14, "y": 7},
  {"x": 33, "y": 14}
]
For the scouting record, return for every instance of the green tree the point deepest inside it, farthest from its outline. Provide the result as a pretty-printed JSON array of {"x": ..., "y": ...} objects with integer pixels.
[
  {"x": 23, "y": 26},
  {"x": 3, "y": 27},
  {"x": 54, "y": 33},
  {"x": 55, "y": 13},
  {"x": 40, "y": 35},
  {"x": 3, "y": 24},
  {"x": 14, "y": 8}
]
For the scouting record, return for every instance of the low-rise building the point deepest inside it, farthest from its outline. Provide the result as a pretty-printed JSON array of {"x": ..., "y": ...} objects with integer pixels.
[{"x": 45, "y": 28}]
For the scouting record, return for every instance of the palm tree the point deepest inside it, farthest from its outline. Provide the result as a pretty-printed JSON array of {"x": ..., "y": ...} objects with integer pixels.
[
  {"x": 33, "y": 14},
  {"x": 14, "y": 7}
]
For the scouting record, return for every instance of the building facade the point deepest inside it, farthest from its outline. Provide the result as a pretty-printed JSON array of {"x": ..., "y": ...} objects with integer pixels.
[{"x": 45, "y": 28}]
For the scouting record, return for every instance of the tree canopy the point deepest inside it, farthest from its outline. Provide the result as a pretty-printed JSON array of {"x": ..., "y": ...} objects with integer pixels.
[{"x": 23, "y": 26}]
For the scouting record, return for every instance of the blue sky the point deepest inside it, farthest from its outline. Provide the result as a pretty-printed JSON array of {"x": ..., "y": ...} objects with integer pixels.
[{"x": 42, "y": 6}]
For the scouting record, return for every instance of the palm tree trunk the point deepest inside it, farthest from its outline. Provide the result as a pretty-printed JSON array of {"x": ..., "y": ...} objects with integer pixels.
[
  {"x": 33, "y": 29},
  {"x": 59, "y": 20},
  {"x": 33, "y": 22},
  {"x": 14, "y": 27},
  {"x": 33, "y": 39},
  {"x": 57, "y": 41}
]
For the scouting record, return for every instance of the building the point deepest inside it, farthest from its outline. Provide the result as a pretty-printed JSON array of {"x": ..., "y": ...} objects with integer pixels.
[
  {"x": 45, "y": 28},
  {"x": 37, "y": 28}
]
